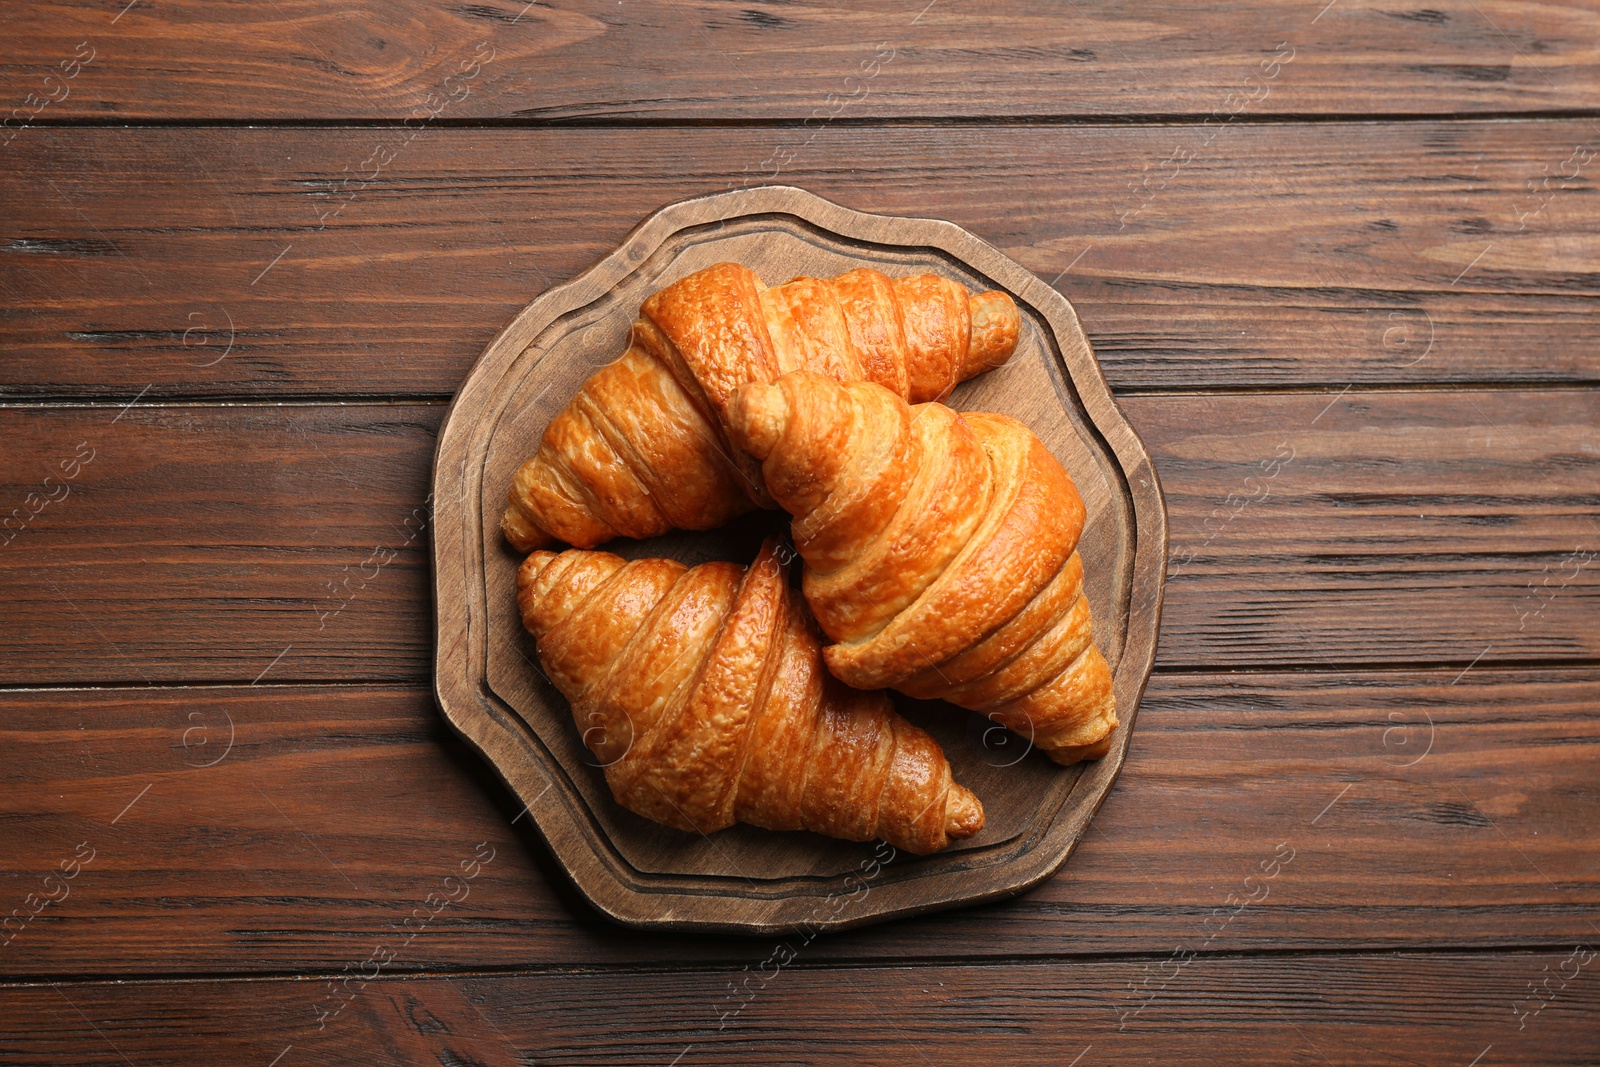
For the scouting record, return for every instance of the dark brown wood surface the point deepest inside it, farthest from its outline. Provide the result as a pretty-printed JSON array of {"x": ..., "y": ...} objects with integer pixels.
[
  {"x": 338, "y": 808},
  {"x": 1366, "y": 280},
  {"x": 711, "y": 60},
  {"x": 203, "y": 542},
  {"x": 260, "y": 262},
  {"x": 1265, "y": 1009}
]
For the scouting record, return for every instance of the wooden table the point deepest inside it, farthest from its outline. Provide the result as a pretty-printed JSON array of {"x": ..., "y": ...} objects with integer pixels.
[{"x": 1339, "y": 262}]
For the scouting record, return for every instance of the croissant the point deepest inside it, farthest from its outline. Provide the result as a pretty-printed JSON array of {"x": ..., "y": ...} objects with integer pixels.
[
  {"x": 643, "y": 447},
  {"x": 703, "y": 694},
  {"x": 940, "y": 553}
]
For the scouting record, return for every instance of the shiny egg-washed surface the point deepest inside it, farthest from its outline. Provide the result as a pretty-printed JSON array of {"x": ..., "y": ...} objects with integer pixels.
[
  {"x": 643, "y": 447},
  {"x": 941, "y": 554},
  {"x": 703, "y": 694}
]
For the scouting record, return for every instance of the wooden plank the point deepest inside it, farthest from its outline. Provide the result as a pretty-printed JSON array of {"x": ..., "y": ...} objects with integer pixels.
[
  {"x": 237, "y": 262},
  {"x": 211, "y": 543},
  {"x": 1391, "y": 527},
  {"x": 1415, "y": 1008},
  {"x": 714, "y": 59},
  {"x": 218, "y": 543},
  {"x": 1368, "y": 810}
]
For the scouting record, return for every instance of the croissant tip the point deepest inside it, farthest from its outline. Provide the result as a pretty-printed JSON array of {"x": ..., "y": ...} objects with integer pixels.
[
  {"x": 964, "y": 814},
  {"x": 521, "y": 532},
  {"x": 757, "y": 418},
  {"x": 996, "y": 328},
  {"x": 534, "y": 565},
  {"x": 528, "y": 606},
  {"x": 1068, "y": 755}
]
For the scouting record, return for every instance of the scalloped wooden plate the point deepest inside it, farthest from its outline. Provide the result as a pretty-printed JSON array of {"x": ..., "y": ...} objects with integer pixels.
[{"x": 745, "y": 879}]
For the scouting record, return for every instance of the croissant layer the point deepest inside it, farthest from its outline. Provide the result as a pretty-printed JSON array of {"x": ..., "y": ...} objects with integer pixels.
[
  {"x": 941, "y": 553},
  {"x": 643, "y": 448},
  {"x": 703, "y": 694}
]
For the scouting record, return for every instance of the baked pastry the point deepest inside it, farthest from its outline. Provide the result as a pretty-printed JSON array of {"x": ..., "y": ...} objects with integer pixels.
[
  {"x": 940, "y": 553},
  {"x": 643, "y": 447},
  {"x": 703, "y": 694}
]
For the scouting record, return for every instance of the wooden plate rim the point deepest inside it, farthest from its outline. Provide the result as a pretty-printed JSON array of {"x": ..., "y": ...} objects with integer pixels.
[{"x": 686, "y": 902}]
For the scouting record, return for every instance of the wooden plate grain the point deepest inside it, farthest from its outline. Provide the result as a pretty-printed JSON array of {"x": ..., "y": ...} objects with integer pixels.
[{"x": 745, "y": 879}]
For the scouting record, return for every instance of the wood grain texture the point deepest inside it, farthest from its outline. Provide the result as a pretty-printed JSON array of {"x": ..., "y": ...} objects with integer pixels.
[
  {"x": 248, "y": 263},
  {"x": 590, "y": 59},
  {"x": 1319, "y": 530},
  {"x": 284, "y": 533},
  {"x": 202, "y": 542},
  {"x": 1412, "y": 1008},
  {"x": 1422, "y": 808},
  {"x": 1441, "y": 818}
]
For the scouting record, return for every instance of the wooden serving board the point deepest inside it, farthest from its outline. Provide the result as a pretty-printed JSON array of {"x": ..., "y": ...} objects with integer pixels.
[{"x": 745, "y": 879}]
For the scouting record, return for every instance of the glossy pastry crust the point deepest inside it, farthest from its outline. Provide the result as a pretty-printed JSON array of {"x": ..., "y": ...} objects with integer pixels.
[
  {"x": 703, "y": 694},
  {"x": 643, "y": 448},
  {"x": 941, "y": 553}
]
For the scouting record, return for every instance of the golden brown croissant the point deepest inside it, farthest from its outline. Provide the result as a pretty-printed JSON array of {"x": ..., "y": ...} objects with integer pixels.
[
  {"x": 643, "y": 447},
  {"x": 703, "y": 694},
  {"x": 940, "y": 554}
]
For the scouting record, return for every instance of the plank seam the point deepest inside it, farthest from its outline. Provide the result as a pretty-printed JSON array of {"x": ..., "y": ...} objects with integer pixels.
[
  {"x": 91, "y": 401},
  {"x": 680, "y": 967},
  {"x": 1058, "y": 120},
  {"x": 422, "y": 682}
]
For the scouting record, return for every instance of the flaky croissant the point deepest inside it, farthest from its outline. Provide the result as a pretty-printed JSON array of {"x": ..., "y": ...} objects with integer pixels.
[
  {"x": 702, "y": 692},
  {"x": 643, "y": 447},
  {"x": 940, "y": 554}
]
